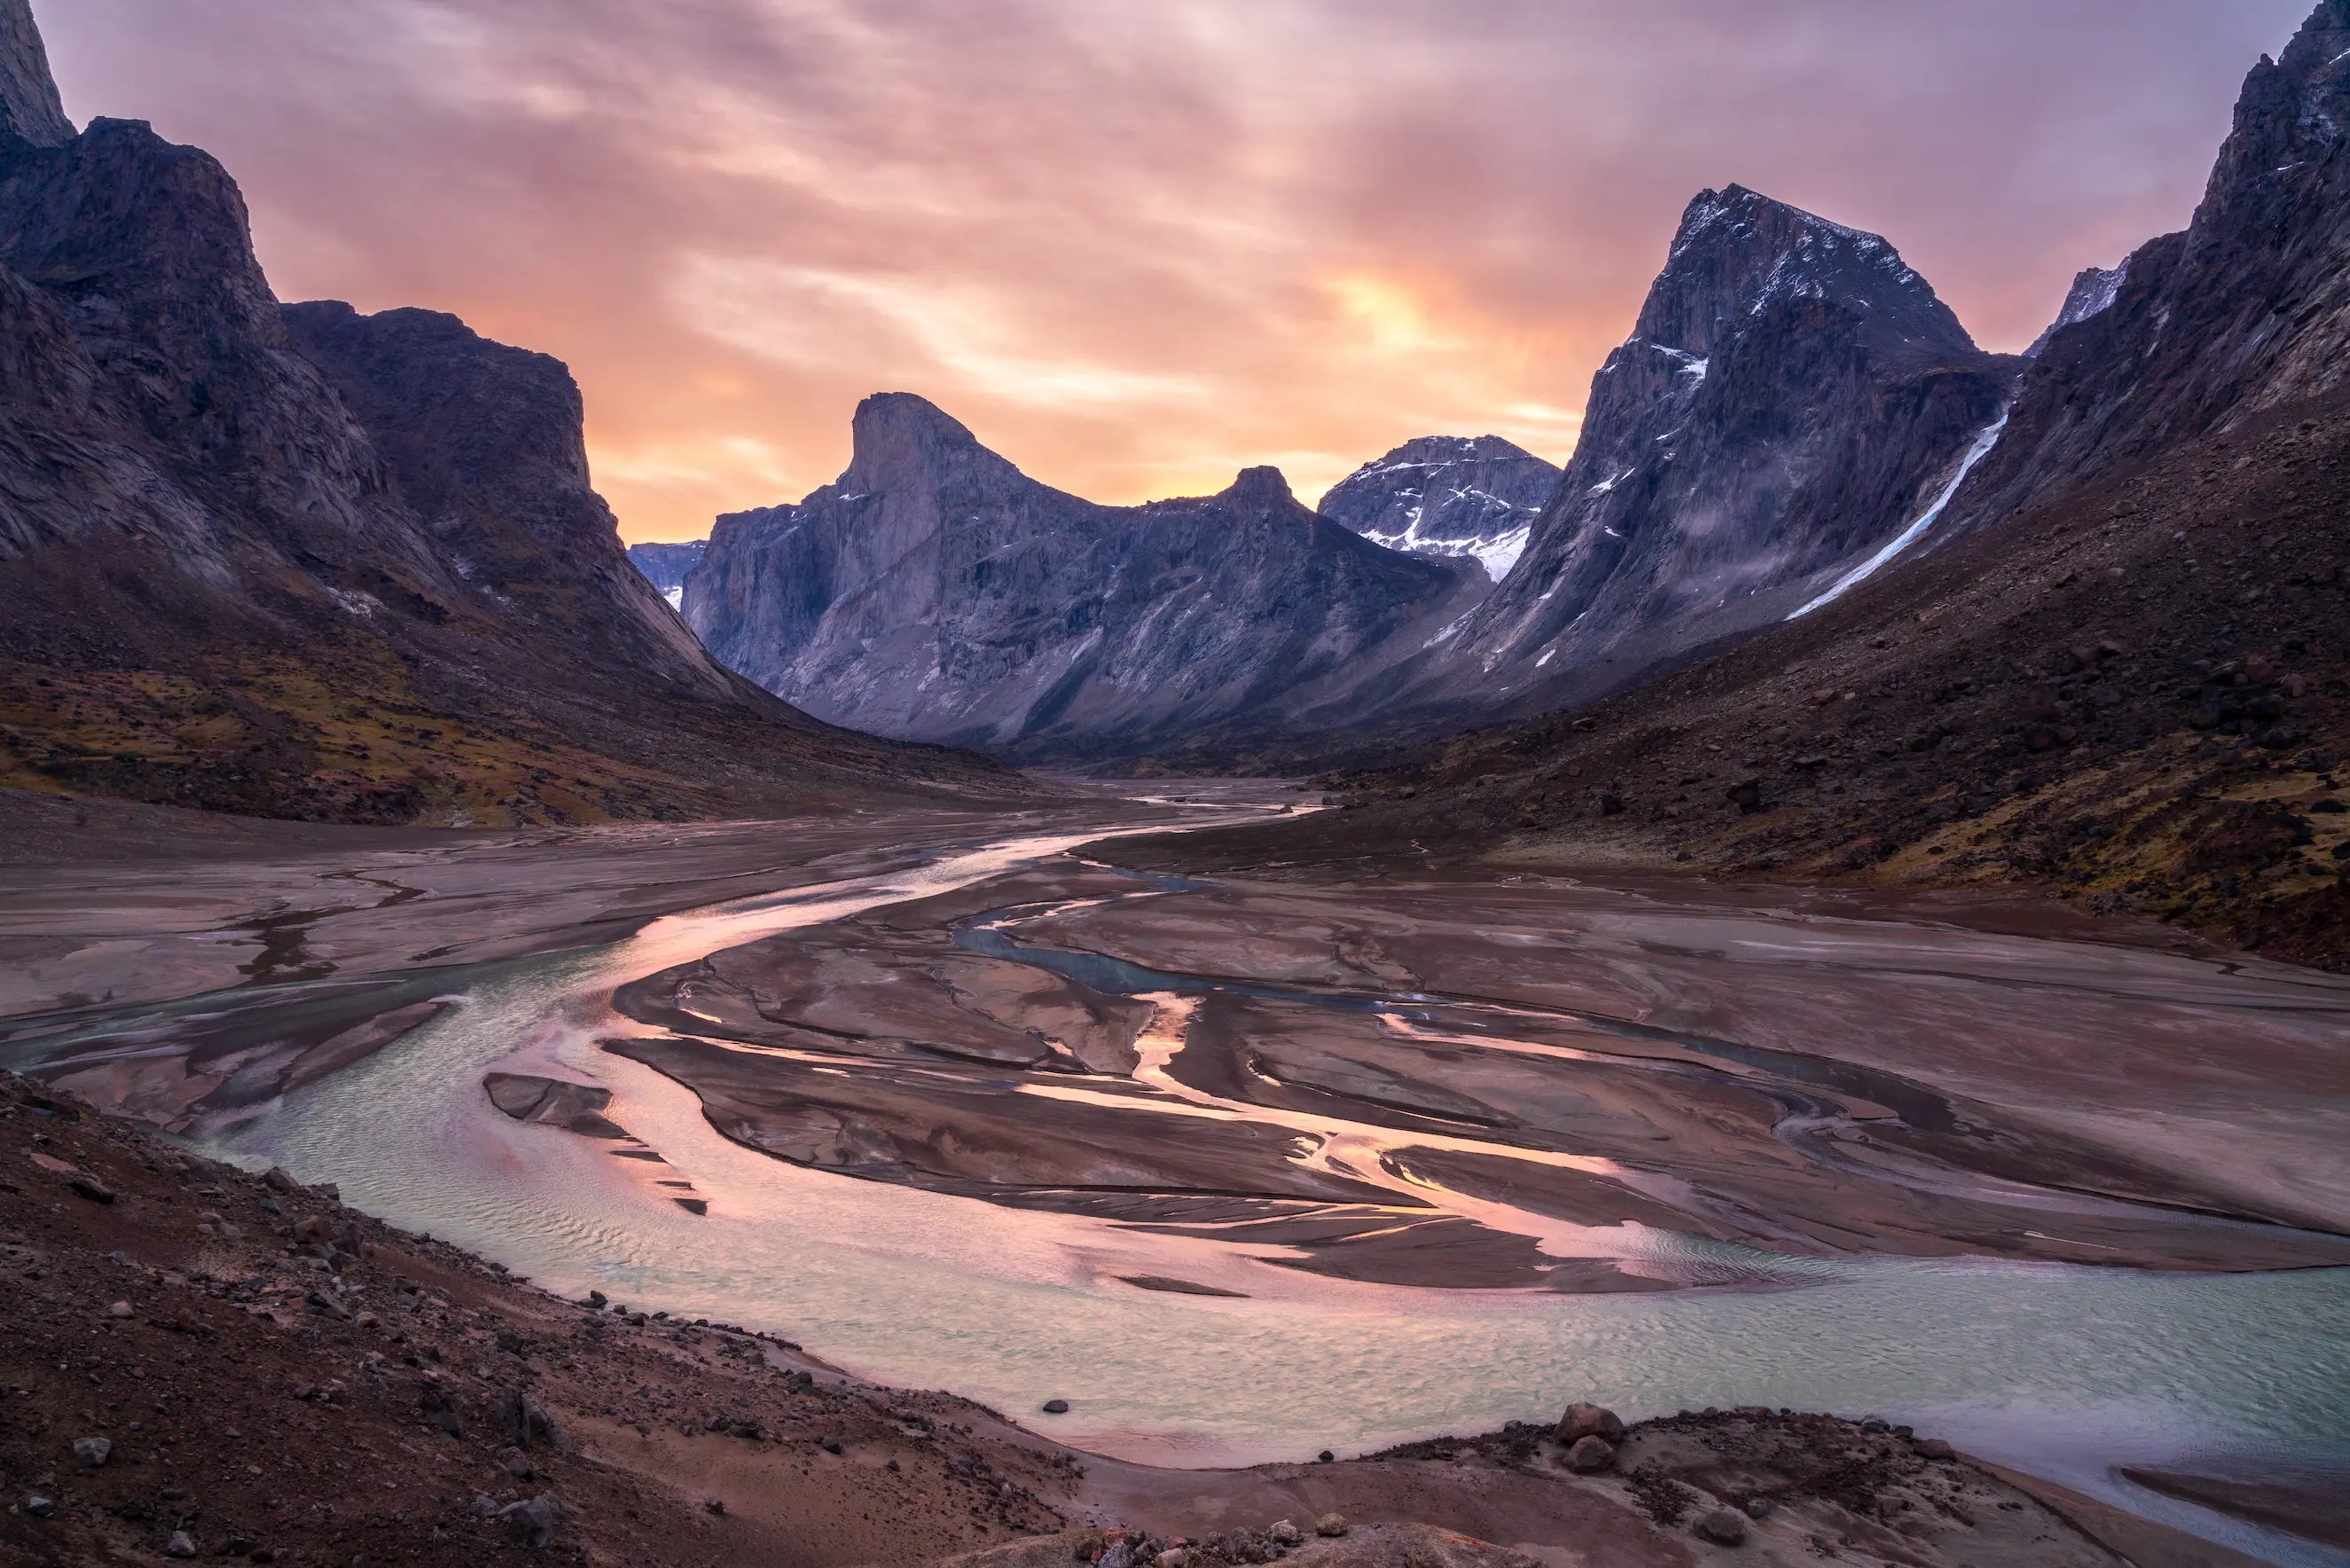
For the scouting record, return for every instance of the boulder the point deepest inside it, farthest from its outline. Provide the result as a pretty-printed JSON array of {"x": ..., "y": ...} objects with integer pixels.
[
  {"x": 1723, "y": 1527},
  {"x": 1589, "y": 1456},
  {"x": 1583, "y": 1420},
  {"x": 532, "y": 1521}
]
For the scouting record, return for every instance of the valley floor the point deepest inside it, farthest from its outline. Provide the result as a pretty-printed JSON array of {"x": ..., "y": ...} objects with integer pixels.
[{"x": 1384, "y": 1094}]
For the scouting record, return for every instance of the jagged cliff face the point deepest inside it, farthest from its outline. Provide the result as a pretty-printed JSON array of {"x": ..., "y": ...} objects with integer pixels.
[
  {"x": 666, "y": 567},
  {"x": 306, "y": 562},
  {"x": 1791, "y": 397},
  {"x": 487, "y": 444},
  {"x": 2246, "y": 311},
  {"x": 1475, "y": 496},
  {"x": 935, "y": 592}
]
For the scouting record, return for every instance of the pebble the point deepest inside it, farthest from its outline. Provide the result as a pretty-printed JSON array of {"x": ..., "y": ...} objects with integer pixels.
[
  {"x": 1723, "y": 1527},
  {"x": 40, "y": 1507},
  {"x": 1056, "y": 1406},
  {"x": 182, "y": 1545},
  {"x": 120, "y": 1309},
  {"x": 92, "y": 1451},
  {"x": 1331, "y": 1524}
]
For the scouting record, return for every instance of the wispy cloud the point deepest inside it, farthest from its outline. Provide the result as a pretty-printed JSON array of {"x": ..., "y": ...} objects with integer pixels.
[{"x": 1137, "y": 243}]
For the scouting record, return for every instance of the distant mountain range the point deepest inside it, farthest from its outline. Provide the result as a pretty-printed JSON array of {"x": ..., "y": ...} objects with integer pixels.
[
  {"x": 1792, "y": 400},
  {"x": 1823, "y": 586}
]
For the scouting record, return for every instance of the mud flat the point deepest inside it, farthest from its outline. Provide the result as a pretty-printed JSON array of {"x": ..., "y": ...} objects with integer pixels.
[
  {"x": 1246, "y": 1170},
  {"x": 1531, "y": 1086}
]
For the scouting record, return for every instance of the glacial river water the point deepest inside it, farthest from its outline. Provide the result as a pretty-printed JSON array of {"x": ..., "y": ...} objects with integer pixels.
[{"x": 2066, "y": 1372}]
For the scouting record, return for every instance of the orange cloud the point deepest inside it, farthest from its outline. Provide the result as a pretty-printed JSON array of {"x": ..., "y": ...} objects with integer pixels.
[{"x": 1136, "y": 243}]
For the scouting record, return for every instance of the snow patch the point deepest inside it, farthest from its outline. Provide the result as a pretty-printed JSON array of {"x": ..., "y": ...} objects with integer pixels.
[{"x": 1925, "y": 520}]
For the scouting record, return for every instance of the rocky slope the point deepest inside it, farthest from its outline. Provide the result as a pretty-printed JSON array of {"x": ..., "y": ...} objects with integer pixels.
[
  {"x": 666, "y": 565},
  {"x": 208, "y": 1363},
  {"x": 1447, "y": 495},
  {"x": 310, "y": 564},
  {"x": 934, "y": 592}
]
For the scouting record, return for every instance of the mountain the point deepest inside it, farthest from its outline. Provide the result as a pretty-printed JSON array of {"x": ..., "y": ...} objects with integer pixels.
[
  {"x": 1447, "y": 495},
  {"x": 2121, "y": 672},
  {"x": 666, "y": 565},
  {"x": 934, "y": 592},
  {"x": 1793, "y": 396},
  {"x": 2094, "y": 289},
  {"x": 301, "y": 562},
  {"x": 2246, "y": 310}
]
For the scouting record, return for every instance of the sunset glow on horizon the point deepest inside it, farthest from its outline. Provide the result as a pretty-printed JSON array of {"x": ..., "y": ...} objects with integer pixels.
[{"x": 1138, "y": 246}]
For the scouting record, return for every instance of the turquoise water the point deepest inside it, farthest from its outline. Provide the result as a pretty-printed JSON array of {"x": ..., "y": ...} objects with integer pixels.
[{"x": 2061, "y": 1370}]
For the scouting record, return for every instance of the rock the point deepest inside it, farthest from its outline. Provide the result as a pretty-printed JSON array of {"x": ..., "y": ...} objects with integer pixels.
[
  {"x": 1746, "y": 794},
  {"x": 524, "y": 1422},
  {"x": 91, "y": 1188},
  {"x": 1056, "y": 1406},
  {"x": 532, "y": 1520},
  {"x": 182, "y": 1545},
  {"x": 1723, "y": 1527},
  {"x": 1757, "y": 1507},
  {"x": 1287, "y": 1533},
  {"x": 483, "y": 1506},
  {"x": 1610, "y": 803},
  {"x": 1325, "y": 1457},
  {"x": 1331, "y": 1524},
  {"x": 597, "y": 1299},
  {"x": 1590, "y": 1421},
  {"x": 1173, "y": 1557},
  {"x": 92, "y": 1451},
  {"x": 1935, "y": 1449},
  {"x": 119, "y": 1310},
  {"x": 1589, "y": 1456},
  {"x": 41, "y": 1506},
  {"x": 279, "y": 1180}
]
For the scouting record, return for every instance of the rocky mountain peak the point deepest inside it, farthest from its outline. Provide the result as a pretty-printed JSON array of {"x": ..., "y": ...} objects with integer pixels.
[
  {"x": 899, "y": 440},
  {"x": 1447, "y": 495},
  {"x": 2094, "y": 290},
  {"x": 1262, "y": 488},
  {"x": 2291, "y": 115},
  {"x": 30, "y": 108},
  {"x": 1738, "y": 252}
]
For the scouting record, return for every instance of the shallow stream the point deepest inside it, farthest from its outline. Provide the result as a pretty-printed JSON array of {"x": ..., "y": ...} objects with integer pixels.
[{"x": 2059, "y": 1370}]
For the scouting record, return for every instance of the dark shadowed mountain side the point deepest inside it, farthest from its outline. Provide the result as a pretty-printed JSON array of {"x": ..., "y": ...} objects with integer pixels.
[
  {"x": 1792, "y": 396},
  {"x": 2247, "y": 310},
  {"x": 934, "y": 592},
  {"x": 371, "y": 584},
  {"x": 666, "y": 567},
  {"x": 2123, "y": 676},
  {"x": 1447, "y": 495}
]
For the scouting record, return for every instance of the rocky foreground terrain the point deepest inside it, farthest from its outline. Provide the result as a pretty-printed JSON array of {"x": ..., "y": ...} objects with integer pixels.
[{"x": 208, "y": 1363}]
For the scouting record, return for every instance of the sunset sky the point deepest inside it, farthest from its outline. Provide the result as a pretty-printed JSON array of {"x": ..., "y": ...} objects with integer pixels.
[{"x": 1138, "y": 244}]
